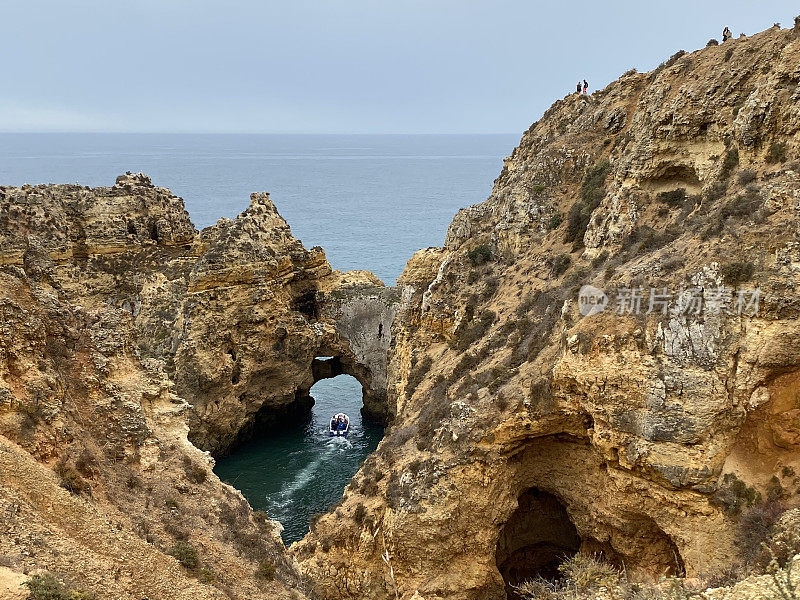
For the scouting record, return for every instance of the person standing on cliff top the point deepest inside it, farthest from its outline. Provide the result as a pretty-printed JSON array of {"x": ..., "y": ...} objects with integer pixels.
[
  {"x": 726, "y": 34},
  {"x": 585, "y": 87},
  {"x": 579, "y": 87}
]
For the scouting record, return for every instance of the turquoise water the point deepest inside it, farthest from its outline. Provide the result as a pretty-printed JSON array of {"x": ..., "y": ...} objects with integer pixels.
[
  {"x": 371, "y": 201},
  {"x": 300, "y": 471}
]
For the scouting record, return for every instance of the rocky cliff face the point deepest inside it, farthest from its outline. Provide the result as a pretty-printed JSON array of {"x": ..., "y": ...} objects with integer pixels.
[
  {"x": 127, "y": 333},
  {"x": 526, "y": 431},
  {"x": 528, "y": 423}
]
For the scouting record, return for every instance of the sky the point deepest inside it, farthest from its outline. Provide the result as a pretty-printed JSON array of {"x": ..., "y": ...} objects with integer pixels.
[{"x": 334, "y": 66}]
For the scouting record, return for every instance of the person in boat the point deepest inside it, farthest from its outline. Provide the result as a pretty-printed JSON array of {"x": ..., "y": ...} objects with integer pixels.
[
  {"x": 334, "y": 423},
  {"x": 342, "y": 425}
]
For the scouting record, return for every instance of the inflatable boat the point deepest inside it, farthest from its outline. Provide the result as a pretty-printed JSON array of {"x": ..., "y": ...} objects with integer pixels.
[{"x": 339, "y": 425}]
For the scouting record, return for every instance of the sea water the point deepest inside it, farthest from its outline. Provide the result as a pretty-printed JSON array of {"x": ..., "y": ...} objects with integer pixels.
[{"x": 370, "y": 201}]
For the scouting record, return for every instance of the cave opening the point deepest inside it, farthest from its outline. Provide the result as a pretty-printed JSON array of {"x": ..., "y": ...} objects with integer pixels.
[
  {"x": 291, "y": 467},
  {"x": 537, "y": 537}
]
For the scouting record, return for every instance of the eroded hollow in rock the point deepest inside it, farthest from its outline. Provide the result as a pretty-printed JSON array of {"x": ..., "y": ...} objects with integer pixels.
[{"x": 536, "y": 539}]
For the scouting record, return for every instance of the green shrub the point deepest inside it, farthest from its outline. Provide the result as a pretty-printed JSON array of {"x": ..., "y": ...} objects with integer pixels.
[
  {"x": 733, "y": 494},
  {"x": 591, "y": 194},
  {"x": 554, "y": 222},
  {"x": 480, "y": 254},
  {"x": 560, "y": 264},
  {"x": 673, "y": 197},
  {"x": 47, "y": 587},
  {"x": 267, "y": 569},
  {"x": 776, "y": 152},
  {"x": 538, "y": 188},
  {"x": 185, "y": 554},
  {"x": 738, "y": 272},
  {"x": 207, "y": 576}
]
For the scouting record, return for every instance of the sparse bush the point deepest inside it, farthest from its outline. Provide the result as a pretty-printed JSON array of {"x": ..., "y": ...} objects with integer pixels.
[
  {"x": 560, "y": 264},
  {"x": 359, "y": 514},
  {"x": 586, "y": 573},
  {"x": 185, "y": 554},
  {"x": 591, "y": 194},
  {"x": 267, "y": 569},
  {"x": 673, "y": 197},
  {"x": 554, "y": 221},
  {"x": 745, "y": 204},
  {"x": 32, "y": 415},
  {"x": 538, "y": 188},
  {"x": 600, "y": 259},
  {"x": 489, "y": 288},
  {"x": 207, "y": 576},
  {"x": 754, "y": 529},
  {"x": 746, "y": 176},
  {"x": 733, "y": 494},
  {"x": 47, "y": 587},
  {"x": 71, "y": 480},
  {"x": 480, "y": 255},
  {"x": 712, "y": 42},
  {"x": 715, "y": 191},
  {"x": 194, "y": 472},
  {"x": 776, "y": 152},
  {"x": 738, "y": 272},
  {"x": 87, "y": 464},
  {"x": 729, "y": 163},
  {"x": 417, "y": 374}
]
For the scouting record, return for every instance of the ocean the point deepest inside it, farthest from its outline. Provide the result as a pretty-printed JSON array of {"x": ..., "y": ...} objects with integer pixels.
[{"x": 370, "y": 201}]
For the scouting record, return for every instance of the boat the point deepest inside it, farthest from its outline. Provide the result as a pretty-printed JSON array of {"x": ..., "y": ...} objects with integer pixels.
[{"x": 339, "y": 425}]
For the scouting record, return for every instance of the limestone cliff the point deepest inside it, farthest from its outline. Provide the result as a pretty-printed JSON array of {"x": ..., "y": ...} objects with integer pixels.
[
  {"x": 127, "y": 333},
  {"x": 524, "y": 431}
]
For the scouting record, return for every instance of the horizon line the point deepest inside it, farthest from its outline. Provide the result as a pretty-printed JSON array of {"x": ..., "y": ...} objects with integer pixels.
[{"x": 111, "y": 132}]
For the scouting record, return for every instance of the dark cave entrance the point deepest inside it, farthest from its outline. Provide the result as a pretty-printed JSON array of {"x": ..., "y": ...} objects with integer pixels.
[{"x": 535, "y": 540}]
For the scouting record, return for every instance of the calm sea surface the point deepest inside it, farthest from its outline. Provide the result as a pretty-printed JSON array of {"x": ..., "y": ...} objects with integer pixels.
[{"x": 370, "y": 200}]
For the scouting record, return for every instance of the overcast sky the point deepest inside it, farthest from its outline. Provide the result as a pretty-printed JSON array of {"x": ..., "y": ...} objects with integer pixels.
[{"x": 337, "y": 66}]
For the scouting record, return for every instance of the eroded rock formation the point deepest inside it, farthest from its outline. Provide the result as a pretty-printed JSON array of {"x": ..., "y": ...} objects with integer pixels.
[
  {"x": 651, "y": 427},
  {"x": 127, "y": 333}
]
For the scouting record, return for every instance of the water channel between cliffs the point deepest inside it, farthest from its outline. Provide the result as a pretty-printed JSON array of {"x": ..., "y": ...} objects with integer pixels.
[{"x": 295, "y": 471}]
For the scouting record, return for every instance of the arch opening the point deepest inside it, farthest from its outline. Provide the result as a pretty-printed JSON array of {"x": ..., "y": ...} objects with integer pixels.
[
  {"x": 291, "y": 467},
  {"x": 537, "y": 537}
]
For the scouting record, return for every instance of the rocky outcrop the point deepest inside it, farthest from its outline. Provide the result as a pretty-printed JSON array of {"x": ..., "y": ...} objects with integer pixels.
[
  {"x": 647, "y": 430},
  {"x": 130, "y": 340}
]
